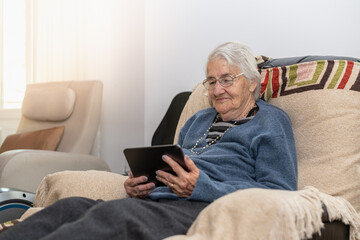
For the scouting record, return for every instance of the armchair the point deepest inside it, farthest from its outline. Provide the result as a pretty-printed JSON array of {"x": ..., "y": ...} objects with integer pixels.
[
  {"x": 321, "y": 97},
  {"x": 73, "y": 105}
]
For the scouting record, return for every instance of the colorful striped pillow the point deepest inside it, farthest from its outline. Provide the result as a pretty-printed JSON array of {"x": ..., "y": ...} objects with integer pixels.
[{"x": 316, "y": 75}]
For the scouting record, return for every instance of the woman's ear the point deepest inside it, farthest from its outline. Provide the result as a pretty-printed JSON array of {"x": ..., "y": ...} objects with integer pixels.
[{"x": 253, "y": 86}]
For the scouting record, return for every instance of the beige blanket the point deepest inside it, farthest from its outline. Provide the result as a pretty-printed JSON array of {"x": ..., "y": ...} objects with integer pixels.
[
  {"x": 270, "y": 214},
  {"x": 245, "y": 214}
]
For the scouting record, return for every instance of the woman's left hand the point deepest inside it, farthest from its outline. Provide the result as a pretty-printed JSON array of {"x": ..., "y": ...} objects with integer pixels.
[{"x": 184, "y": 183}]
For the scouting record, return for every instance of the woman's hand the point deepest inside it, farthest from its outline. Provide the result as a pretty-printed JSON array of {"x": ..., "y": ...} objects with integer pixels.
[
  {"x": 136, "y": 187},
  {"x": 184, "y": 183}
]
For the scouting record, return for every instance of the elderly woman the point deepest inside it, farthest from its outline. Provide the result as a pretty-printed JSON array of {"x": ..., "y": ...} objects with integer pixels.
[{"x": 242, "y": 142}]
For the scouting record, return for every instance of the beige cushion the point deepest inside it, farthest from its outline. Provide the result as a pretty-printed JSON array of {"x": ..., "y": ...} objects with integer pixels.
[
  {"x": 327, "y": 130},
  {"x": 46, "y": 139},
  {"x": 323, "y": 103},
  {"x": 53, "y": 104},
  {"x": 90, "y": 184}
]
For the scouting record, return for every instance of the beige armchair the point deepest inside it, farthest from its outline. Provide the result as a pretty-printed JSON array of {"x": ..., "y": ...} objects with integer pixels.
[
  {"x": 73, "y": 109},
  {"x": 321, "y": 96}
]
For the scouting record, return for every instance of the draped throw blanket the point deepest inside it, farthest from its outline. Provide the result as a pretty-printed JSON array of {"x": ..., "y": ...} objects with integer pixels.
[{"x": 270, "y": 214}]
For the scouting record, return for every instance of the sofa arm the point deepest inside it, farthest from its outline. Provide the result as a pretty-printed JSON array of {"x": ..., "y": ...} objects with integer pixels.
[
  {"x": 90, "y": 184},
  {"x": 24, "y": 169}
]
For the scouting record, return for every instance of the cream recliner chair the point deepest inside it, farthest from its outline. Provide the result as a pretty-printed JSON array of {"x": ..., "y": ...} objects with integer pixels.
[
  {"x": 326, "y": 129},
  {"x": 75, "y": 105}
]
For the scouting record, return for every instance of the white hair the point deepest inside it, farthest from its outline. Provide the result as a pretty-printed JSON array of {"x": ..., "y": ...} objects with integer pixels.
[{"x": 241, "y": 57}]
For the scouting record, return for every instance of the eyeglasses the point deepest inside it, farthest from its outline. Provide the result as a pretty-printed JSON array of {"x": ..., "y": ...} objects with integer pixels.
[{"x": 227, "y": 81}]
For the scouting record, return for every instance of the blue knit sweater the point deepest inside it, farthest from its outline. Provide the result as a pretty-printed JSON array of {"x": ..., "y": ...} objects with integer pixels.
[{"x": 257, "y": 154}]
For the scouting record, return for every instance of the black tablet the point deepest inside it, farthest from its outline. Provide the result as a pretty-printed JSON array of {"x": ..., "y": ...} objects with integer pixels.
[{"x": 145, "y": 161}]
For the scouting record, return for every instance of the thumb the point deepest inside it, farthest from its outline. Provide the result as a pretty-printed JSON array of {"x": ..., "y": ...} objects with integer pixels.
[{"x": 190, "y": 164}]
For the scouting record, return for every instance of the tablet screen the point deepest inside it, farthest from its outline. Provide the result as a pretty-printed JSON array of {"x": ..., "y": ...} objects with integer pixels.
[{"x": 145, "y": 161}]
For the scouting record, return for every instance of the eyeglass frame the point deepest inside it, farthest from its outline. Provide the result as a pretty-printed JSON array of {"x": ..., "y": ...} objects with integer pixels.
[{"x": 220, "y": 81}]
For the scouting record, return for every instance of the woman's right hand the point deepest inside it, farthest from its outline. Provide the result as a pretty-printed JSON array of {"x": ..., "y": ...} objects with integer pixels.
[{"x": 136, "y": 187}]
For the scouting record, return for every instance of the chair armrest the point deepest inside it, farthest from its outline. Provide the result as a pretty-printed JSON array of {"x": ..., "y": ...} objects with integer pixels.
[
  {"x": 332, "y": 230},
  {"x": 24, "y": 169},
  {"x": 90, "y": 184}
]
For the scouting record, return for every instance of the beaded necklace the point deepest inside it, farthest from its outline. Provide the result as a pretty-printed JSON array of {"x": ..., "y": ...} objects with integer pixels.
[{"x": 219, "y": 136}]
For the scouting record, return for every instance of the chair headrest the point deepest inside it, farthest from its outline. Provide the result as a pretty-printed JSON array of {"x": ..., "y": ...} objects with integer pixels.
[{"x": 54, "y": 104}]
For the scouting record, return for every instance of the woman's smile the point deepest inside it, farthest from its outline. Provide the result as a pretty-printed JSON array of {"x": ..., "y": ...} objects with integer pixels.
[{"x": 222, "y": 99}]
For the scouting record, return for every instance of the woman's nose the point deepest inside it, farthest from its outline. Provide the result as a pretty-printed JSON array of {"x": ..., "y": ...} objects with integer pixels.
[{"x": 218, "y": 89}]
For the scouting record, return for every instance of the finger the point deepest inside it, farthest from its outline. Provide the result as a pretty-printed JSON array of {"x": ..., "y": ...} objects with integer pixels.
[
  {"x": 174, "y": 165},
  {"x": 167, "y": 181},
  {"x": 165, "y": 177},
  {"x": 142, "y": 190},
  {"x": 137, "y": 180},
  {"x": 161, "y": 178},
  {"x": 144, "y": 194},
  {"x": 145, "y": 187},
  {"x": 190, "y": 164},
  {"x": 131, "y": 174}
]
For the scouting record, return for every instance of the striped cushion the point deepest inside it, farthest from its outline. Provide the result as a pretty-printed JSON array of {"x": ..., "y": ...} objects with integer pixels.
[{"x": 316, "y": 75}]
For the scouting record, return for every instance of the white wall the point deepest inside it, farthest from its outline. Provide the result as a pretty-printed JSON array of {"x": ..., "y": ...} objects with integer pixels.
[
  {"x": 98, "y": 39},
  {"x": 121, "y": 68},
  {"x": 104, "y": 40},
  {"x": 179, "y": 34}
]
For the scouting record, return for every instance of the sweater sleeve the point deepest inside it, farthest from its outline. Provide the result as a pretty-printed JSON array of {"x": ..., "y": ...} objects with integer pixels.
[
  {"x": 208, "y": 190},
  {"x": 276, "y": 162}
]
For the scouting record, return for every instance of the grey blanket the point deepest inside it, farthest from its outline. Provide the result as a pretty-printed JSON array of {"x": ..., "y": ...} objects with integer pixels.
[{"x": 129, "y": 218}]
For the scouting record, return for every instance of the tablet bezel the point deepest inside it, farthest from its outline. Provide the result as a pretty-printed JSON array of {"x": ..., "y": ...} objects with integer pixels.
[{"x": 145, "y": 161}]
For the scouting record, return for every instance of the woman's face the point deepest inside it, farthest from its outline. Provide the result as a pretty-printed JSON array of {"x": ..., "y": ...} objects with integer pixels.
[{"x": 231, "y": 102}]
